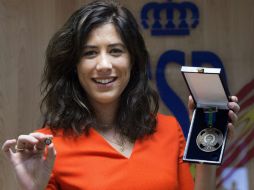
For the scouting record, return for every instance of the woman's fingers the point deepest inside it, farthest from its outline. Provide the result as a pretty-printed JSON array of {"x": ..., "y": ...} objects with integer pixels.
[
  {"x": 35, "y": 142},
  {"x": 234, "y": 106},
  {"x": 51, "y": 154},
  {"x": 233, "y": 117},
  {"x": 191, "y": 104},
  {"x": 26, "y": 142},
  {"x": 232, "y": 114},
  {"x": 7, "y": 147},
  {"x": 43, "y": 140},
  {"x": 230, "y": 131},
  {"x": 234, "y": 109},
  {"x": 234, "y": 99}
]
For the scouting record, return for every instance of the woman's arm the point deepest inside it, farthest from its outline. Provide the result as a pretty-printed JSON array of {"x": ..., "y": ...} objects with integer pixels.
[{"x": 205, "y": 177}]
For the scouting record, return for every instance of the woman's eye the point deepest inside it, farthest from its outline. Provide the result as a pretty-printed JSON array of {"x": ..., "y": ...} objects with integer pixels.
[
  {"x": 90, "y": 54},
  {"x": 116, "y": 52}
]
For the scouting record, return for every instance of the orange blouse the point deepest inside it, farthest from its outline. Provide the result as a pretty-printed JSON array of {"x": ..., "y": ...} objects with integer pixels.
[{"x": 91, "y": 163}]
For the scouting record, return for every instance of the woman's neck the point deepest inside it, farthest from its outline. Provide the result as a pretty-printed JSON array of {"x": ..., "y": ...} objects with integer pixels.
[{"x": 105, "y": 114}]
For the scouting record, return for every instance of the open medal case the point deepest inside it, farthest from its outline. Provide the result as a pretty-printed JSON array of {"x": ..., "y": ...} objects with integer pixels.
[{"x": 208, "y": 130}]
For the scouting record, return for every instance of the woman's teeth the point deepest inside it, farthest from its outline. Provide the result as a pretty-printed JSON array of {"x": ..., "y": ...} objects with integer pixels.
[{"x": 104, "y": 81}]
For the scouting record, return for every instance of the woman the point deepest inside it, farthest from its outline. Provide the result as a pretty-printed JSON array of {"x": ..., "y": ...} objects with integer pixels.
[{"x": 102, "y": 114}]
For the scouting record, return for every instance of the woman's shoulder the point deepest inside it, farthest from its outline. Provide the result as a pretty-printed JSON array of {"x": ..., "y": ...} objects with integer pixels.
[
  {"x": 168, "y": 127},
  {"x": 168, "y": 123},
  {"x": 163, "y": 119}
]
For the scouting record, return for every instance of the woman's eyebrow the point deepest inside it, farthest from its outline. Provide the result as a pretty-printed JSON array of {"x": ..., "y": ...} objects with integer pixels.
[
  {"x": 117, "y": 44},
  {"x": 87, "y": 46}
]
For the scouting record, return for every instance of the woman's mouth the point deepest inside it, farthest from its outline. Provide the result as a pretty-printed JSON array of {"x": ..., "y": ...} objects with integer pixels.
[{"x": 104, "y": 81}]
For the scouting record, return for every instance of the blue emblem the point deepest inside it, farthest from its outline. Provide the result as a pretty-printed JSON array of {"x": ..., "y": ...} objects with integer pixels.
[{"x": 188, "y": 18}]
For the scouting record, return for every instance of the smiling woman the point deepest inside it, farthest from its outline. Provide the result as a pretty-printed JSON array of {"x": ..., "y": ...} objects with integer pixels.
[
  {"x": 101, "y": 114},
  {"x": 98, "y": 63},
  {"x": 104, "y": 69}
]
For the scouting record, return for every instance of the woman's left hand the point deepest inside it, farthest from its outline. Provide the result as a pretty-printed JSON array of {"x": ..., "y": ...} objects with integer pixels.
[{"x": 234, "y": 108}]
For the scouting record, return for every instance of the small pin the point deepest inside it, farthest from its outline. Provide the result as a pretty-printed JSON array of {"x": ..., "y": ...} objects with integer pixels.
[{"x": 48, "y": 141}]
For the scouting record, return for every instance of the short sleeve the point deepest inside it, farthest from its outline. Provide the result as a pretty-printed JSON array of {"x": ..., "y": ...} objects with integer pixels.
[{"x": 186, "y": 181}]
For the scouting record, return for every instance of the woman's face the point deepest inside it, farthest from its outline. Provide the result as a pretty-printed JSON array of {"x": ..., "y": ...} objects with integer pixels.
[{"x": 104, "y": 69}]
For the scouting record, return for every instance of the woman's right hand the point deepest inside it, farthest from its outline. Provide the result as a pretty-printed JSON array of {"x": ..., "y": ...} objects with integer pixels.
[{"x": 31, "y": 159}]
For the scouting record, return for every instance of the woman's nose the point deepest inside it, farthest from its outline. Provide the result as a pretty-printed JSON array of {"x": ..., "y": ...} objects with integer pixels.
[{"x": 104, "y": 63}]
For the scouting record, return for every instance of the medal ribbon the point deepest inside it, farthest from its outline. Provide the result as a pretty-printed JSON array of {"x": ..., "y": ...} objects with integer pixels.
[{"x": 210, "y": 116}]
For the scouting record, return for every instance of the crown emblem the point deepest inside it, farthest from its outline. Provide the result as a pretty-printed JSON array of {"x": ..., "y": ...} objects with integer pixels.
[{"x": 180, "y": 17}]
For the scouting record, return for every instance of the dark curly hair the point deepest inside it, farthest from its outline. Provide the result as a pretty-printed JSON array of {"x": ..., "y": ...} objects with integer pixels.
[{"x": 65, "y": 104}]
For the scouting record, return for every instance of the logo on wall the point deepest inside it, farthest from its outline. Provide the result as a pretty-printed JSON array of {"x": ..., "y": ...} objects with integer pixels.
[{"x": 180, "y": 18}]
